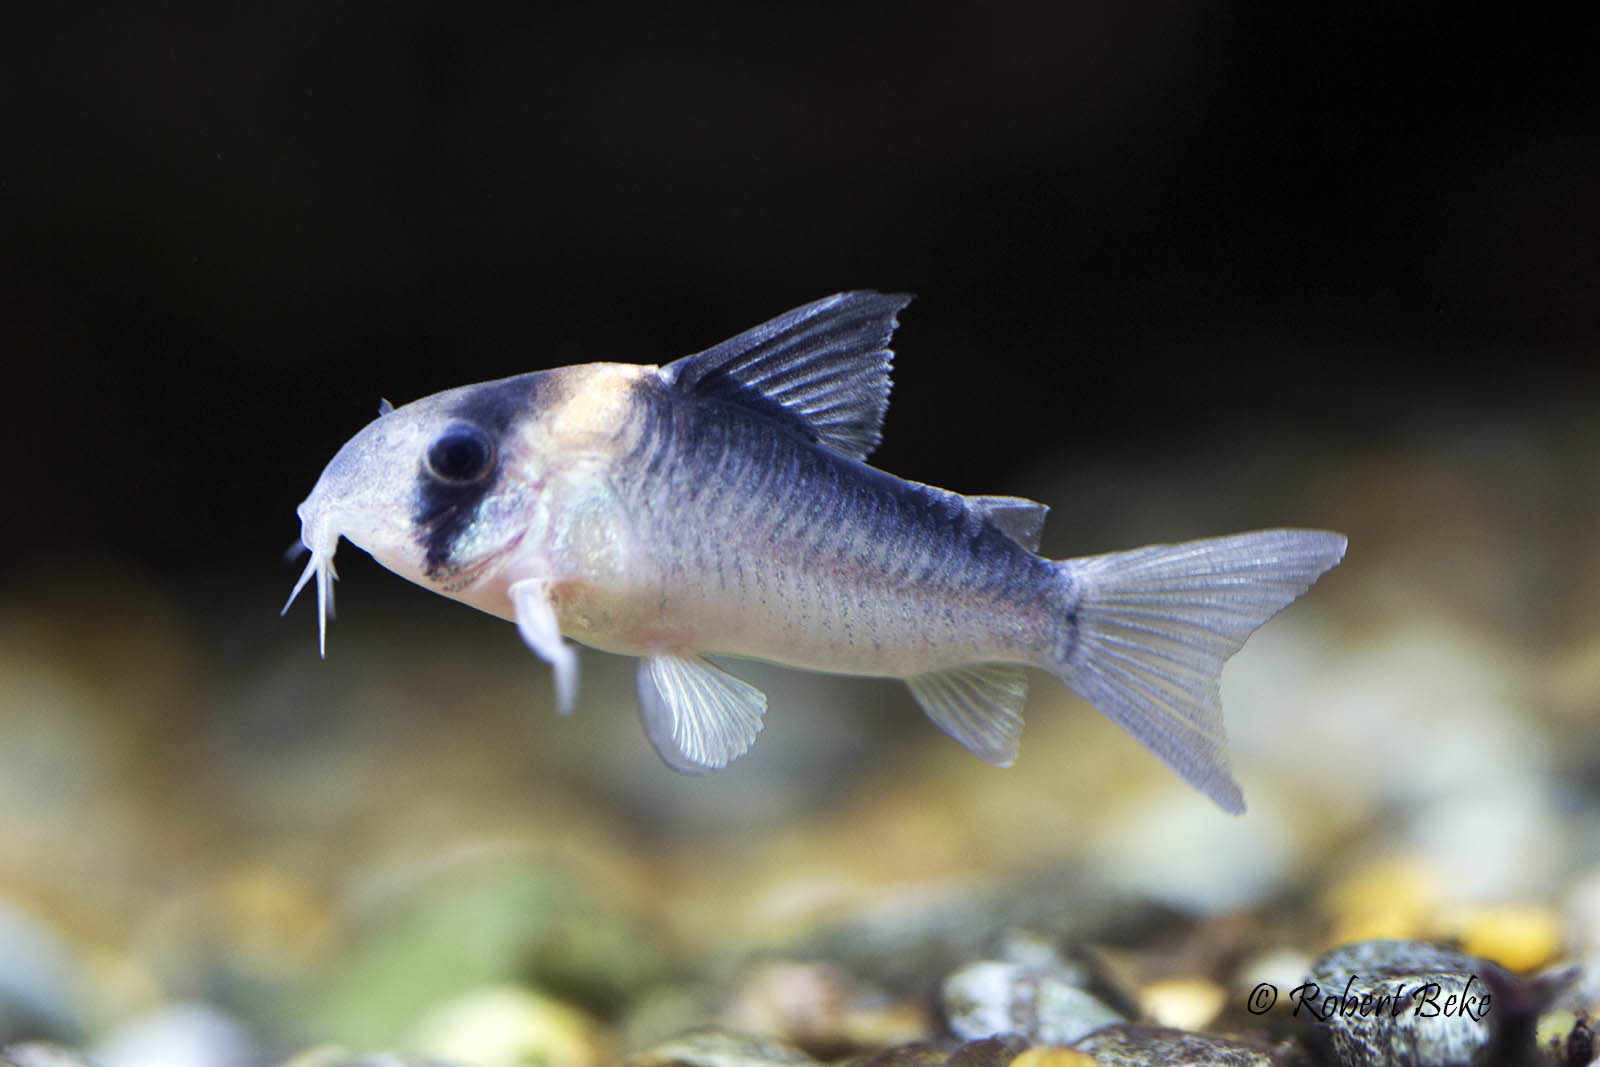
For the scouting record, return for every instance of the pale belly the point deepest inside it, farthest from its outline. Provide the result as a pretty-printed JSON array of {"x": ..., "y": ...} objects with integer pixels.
[{"x": 813, "y": 621}]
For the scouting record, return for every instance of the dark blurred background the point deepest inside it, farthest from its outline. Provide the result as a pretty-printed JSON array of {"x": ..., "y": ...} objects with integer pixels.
[{"x": 229, "y": 229}]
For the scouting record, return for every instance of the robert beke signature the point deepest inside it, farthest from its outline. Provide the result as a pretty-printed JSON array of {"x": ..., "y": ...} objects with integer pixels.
[{"x": 1428, "y": 1000}]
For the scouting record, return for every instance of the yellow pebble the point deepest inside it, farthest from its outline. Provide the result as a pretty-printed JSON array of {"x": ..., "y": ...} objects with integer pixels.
[
  {"x": 1554, "y": 1027},
  {"x": 1045, "y": 1056},
  {"x": 505, "y": 1026},
  {"x": 1184, "y": 1003},
  {"x": 1519, "y": 937},
  {"x": 1389, "y": 899}
]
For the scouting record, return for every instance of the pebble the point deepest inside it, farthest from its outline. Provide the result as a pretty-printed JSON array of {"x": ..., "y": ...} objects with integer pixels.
[
  {"x": 1184, "y": 1003},
  {"x": 1555, "y": 1027},
  {"x": 1412, "y": 897},
  {"x": 1281, "y": 968},
  {"x": 722, "y": 1048},
  {"x": 1007, "y": 1051},
  {"x": 1042, "y": 1056},
  {"x": 1519, "y": 937},
  {"x": 502, "y": 1026},
  {"x": 987, "y": 1052},
  {"x": 1140, "y": 1045},
  {"x": 1353, "y": 1033},
  {"x": 820, "y": 1007},
  {"x": 1387, "y": 899},
  {"x": 178, "y": 1035},
  {"x": 995, "y": 997},
  {"x": 1071, "y": 961},
  {"x": 911, "y": 1054},
  {"x": 40, "y": 1054},
  {"x": 1579, "y": 1045}
]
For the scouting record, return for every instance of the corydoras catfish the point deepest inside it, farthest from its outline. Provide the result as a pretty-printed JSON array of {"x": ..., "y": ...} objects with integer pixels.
[{"x": 720, "y": 505}]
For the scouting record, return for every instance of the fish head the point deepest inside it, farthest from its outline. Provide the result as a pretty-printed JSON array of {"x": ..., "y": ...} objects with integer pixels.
[{"x": 438, "y": 491}]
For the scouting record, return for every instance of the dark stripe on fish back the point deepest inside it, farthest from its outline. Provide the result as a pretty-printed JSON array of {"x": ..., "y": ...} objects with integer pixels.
[
  {"x": 832, "y": 512},
  {"x": 442, "y": 511}
]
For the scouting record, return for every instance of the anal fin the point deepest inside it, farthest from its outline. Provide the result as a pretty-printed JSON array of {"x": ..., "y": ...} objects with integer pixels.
[
  {"x": 979, "y": 705},
  {"x": 700, "y": 718}
]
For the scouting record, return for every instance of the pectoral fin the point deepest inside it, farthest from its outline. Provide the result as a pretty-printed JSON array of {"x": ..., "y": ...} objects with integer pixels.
[
  {"x": 536, "y": 621},
  {"x": 699, "y": 718},
  {"x": 979, "y": 705}
]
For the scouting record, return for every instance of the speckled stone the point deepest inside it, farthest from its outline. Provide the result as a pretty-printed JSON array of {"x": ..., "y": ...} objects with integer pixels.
[
  {"x": 1137, "y": 1045},
  {"x": 987, "y": 1052},
  {"x": 994, "y": 997},
  {"x": 1071, "y": 961},
  {"x": 721, "y": 1048},
  {"x": 1387, "y": 1004},
  {"x": 911, "y": 1054},
  {"x": 821, "y": 1007}
]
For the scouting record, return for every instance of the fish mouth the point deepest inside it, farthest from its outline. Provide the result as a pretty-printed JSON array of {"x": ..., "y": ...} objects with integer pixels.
[{"x": 473, "y": 574}]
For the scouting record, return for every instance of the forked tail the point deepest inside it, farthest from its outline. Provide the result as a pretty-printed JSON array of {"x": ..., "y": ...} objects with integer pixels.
[{"x": 1146, "y": 634}]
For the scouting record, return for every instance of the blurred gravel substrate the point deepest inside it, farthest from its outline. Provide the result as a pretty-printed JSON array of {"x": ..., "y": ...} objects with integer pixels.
[{"x": 205, "y": 828}]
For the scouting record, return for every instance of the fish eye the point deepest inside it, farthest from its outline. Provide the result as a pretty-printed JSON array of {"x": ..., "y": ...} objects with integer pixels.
[{"x": 462, "y": 454}]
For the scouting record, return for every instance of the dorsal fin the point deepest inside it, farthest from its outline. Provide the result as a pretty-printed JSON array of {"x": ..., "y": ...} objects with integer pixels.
[
  {"x": 822, "y": 368},
  {"x": 1017, "y": 517}
]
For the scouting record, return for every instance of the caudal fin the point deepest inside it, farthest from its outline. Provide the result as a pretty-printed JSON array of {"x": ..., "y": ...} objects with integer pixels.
[{"x": 1146, "y": 634}]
